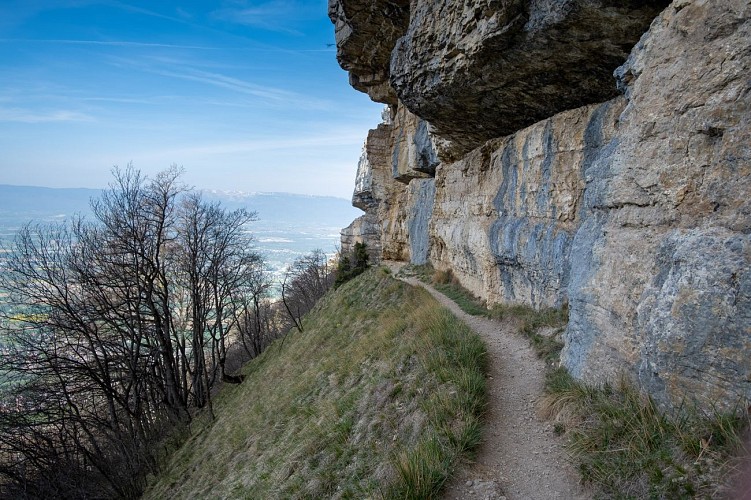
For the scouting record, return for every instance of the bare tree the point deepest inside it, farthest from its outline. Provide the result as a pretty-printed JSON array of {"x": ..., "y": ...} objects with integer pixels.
[
  {"x": 116, "y": 328},
  {"x": 257, "y": 318},
  {"x": 305, "y": 282},
  {"x": 217, "y": 266}
]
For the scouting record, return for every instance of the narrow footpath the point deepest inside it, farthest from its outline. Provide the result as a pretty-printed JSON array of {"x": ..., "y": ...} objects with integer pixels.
[{"x": 520, "y": 457}]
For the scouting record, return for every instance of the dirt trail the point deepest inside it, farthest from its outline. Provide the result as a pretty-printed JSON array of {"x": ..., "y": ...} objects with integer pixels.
[{"x": 520, "y": 457}]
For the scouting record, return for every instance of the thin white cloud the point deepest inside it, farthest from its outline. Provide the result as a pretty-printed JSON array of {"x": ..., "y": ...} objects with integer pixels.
[
  {"x": 234, "y": 84},
  {"x": 333, "y": 138},
  {"x": 185, "y": 71},
  {"x": 183, "y": 14},
  {"x": 112, "y": 43},
  {"x": 134, "y": 100},
  {"x": 140, "y": 10},
  {"x": 133, "y": 44},
  {"x": 274, "y": 15},
  {"x": 21, "y": 115},
  {"x": 15, "y": 12}
]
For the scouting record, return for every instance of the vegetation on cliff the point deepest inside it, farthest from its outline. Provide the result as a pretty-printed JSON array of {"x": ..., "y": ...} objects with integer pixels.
[
  {"x": 380, "y": 395},
  {"x": 628, "y": 447},
  {"x": 542, "y": 327},
  {"x": 621, "y": 441}
]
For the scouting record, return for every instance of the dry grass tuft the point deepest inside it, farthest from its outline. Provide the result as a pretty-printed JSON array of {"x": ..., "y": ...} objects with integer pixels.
[{"x": 628, "y": 447}]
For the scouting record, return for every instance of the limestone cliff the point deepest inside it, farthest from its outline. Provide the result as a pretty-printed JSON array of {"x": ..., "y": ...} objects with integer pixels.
[{"x": 587, "y": 152}]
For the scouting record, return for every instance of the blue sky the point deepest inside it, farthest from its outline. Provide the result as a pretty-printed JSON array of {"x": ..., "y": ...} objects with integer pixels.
[{"x": 245, "y": 95}]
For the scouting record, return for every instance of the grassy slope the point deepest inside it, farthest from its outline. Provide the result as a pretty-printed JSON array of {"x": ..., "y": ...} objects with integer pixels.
[{"x": 379, "y": 396}]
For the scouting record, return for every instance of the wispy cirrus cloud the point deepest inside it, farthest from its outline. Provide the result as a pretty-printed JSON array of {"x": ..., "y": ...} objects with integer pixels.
[
  {"x": 274, "y": 15},
  {"x": 156, "y": 45},
  {"x": 16, "y": 12},
  {"x": 269, "y": 94},
  {"x": 140, "y": 10},
  {"x": 110, "y": 43},
  {"x": 21, "y": 115},
  {"x": 187, "y": 70},
  {"x": 230, "y": 83},
  {"x": 323, "y": 141},
  {"x": 269, "y": 150},
  {"x": 132, "y": 100},
  {"x": 183, "y": 14}
]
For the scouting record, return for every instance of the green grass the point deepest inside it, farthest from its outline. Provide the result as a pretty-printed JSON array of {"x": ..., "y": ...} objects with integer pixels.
[
  {"x": 543, "y": 327},
  {"x": 621, "y": 442},
  {"x": 627, "y": 447},
  {"x": 447, "y": 284},
  {"x": 379, "y": 397}
]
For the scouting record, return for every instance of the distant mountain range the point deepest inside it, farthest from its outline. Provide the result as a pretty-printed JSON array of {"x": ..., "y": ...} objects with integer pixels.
[
  {"x": 288, "y": 225},
  {"x": 270, "y": 206},
  {"x": 44, "y": 201}
]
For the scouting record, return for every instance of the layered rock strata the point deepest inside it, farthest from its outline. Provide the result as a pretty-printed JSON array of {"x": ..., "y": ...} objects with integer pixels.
[
  {"x": 481, "y": 69},
  {"x": 365, "y": 34},
  {"x": 506, "y": 215},
  {"x": 661, "y": 282},
  {"x": 635, "y": 210}
]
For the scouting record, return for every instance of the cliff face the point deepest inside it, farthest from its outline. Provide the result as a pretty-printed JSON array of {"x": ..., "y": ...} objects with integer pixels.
[{"x": 512, "y": 155}]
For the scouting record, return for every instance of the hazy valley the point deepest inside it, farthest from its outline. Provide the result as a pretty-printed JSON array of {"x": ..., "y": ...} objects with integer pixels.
[{"x": 288, "y": 225}]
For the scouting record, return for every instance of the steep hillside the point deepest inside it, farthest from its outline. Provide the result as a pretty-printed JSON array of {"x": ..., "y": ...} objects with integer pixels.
[
  {"x": 380, "y": 395},
  {"x": 583, "y": 152}
]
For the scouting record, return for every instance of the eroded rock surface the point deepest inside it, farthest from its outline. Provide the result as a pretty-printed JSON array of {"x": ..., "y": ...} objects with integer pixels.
[
  {"x": 481, "y": 69},
  {"x": 664, "y": 285},
  {"x": 414, "y": 155},
  {"x": 366, "y": 32},
  {"x": 505, "y": 215},
  {"x": 635, "y": 210}
]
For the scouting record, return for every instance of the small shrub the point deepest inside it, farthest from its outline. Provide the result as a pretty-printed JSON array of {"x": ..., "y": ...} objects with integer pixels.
[
  {"x": 422, "y": 470},
  {"x": 352, "y": 265},
  {"x": 444, "y": 277},
  {"x": 547, "y": 345}
]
